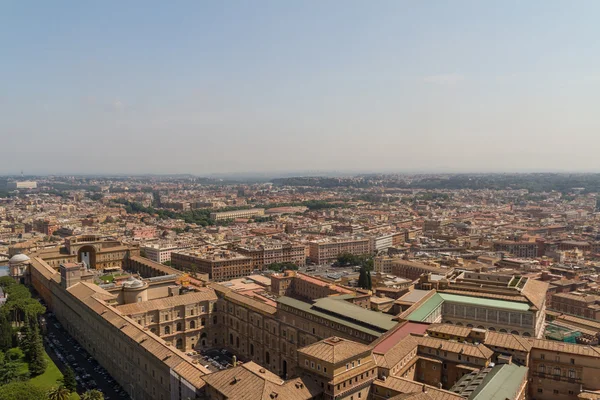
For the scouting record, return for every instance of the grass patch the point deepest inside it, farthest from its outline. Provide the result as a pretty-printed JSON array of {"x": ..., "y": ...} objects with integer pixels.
[
  {"x": 107, "y": 278},
  {"x": 50, "y": 378}
]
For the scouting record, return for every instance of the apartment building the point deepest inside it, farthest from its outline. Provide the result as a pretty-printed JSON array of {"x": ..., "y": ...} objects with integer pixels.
[
  {"x": 327, "y": 250},
  {"x": 520, "y": 249},
  {"x": 161, "y": 252},
  {"x": 227, "y": 215},
  {"x": 219, "y": 264},
  {"x": 575, "y": 303},
  {"x": 266, "y": 252}
]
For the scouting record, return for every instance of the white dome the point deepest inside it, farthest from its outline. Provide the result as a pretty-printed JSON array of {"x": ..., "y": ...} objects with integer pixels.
[{"x": 18, "y": 259}]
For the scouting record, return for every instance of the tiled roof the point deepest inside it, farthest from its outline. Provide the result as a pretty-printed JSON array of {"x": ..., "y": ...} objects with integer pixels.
[
  {"x": 205, "y": 294},
  {"x": 334, "y": 350},
  {"x": 468, "y": 349},
  {"x": 551, "y": 345},
  {"x": 403, "y": 385},
  {"x": 250, "y": 381}
]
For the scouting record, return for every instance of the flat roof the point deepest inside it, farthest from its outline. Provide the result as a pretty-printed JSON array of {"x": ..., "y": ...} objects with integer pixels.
[
  {"x": 344, "y": 313},
  {"x": 502, "y": 383},
  {"x": 421, "y": 313}
]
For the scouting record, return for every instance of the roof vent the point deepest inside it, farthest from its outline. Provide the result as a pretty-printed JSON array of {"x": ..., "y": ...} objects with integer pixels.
[
  {"x": 299, "y": 385},
  {"x": 274, "y": 395}
]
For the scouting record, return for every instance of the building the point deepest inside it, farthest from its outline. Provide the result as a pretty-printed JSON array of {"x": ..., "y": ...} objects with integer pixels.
[
  {"x": 576, "y": 303},
  {"x": 161, "y": 253},
  {"x": 219, "y": 264},
  {"x": 520, "y": 249},
  {"x": 325, "y": 251},
  {"x": 21, "y": 185},
  {"x": 343, "y": 369},
  {"x": 145, "y": 365},
  {"x": 227, "y": 215},
  {"x": 251, "y": 381},
  {"x": 266, "y": 252},
  {"x": 413, "y": 269}
]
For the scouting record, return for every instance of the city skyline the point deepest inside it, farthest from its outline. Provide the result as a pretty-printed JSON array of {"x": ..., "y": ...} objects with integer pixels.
[{"x": 207, "y": 89}]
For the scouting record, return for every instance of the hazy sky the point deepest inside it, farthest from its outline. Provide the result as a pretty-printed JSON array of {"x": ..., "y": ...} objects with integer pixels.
[{"x": 237, "y": 86}]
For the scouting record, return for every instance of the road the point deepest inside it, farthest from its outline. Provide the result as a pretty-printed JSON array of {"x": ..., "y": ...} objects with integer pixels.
[{"x": 64, "y": 350}]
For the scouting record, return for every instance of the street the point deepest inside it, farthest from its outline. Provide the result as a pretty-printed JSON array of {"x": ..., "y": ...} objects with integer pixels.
[{"x": 64, "y": 350}]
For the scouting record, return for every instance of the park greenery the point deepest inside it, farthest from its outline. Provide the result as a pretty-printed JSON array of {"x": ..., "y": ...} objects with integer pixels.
[
  {"x": 201, "y": 216},
  {"x": 26, "y": 370},
  {"x": 282, "y": 266}
]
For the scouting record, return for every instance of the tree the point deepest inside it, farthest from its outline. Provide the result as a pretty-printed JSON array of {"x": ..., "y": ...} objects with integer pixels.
[
  {"x": 6, "y": 282},
  {"x": 92, "y": 395},
  {"x": 5, "y": 332},
  {"x": 21, "y": 391},
  {"x": 69, "y": 379},
  {"x": 59, "y": 393},
  {"x": 36, "y": 353},
  {"x": 369, "y": 284},
  {"x": 362, "y": 278}
]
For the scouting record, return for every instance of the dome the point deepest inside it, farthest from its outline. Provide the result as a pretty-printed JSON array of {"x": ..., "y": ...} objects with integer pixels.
[
  {"x": 18, "y": 259},
  {"x": 132, "y": 283}
]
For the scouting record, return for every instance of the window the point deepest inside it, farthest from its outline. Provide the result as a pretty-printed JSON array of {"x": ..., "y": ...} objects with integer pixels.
[
  {"x": 555, "y": 391},
  {"x": 540, "y": 390},
  {"x": 192, "y": 324},
  {"x": 542, "y": 356},
  {"x": 306, "y": 362},
  {"x": 541, "y": 369},
  {"x": 572, "y": 373},
  {"x": 178, "y": 326},
  {"x": 312, "y": 364},
  {"x": 192, "y": 311},
  {"x": 324, "y": 369},
  {"x": 557, "y": 371},
  {"x": 202, "y": 321},
  {"x": 318, "y": 367},
  {"x": 167, "y": 330},
  {"x": 572, "y": 361}
]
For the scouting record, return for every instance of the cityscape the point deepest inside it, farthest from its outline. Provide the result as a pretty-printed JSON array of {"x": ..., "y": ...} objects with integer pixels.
[
  {"x": 357, "y": 287},
  {"x": 300, "y": 200}
]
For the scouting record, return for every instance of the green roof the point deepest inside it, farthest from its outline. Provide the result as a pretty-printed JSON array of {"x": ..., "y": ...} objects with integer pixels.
[
  {"x": 344, "y": 313},
  {"x": 502, "y": 383},
  {"x": 429, "y": 306},
  {"x": 484, "y": 302}
]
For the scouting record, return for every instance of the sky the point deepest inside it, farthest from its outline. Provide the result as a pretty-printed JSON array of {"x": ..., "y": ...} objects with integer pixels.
[{"x": 229, "y": 86}]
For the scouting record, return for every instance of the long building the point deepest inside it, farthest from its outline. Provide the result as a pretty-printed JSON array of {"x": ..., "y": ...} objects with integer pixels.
[
  {"x": 263, "y": 253},
  {"x": 327, "y": 250},
  {"x": 219, "y": 264},
  {"x": 227, "y": 215}
]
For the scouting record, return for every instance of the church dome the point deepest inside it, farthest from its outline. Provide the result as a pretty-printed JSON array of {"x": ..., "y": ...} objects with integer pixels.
[{"x": 18, "y": 259}]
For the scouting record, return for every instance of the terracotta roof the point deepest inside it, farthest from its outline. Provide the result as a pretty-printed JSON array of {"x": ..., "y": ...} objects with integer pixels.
[
  {"x": 250, "y": 381},
  {"x": 406, "y": 386},
  {"x": 205, "y": 294},
  {"x": 448, "y": 329},
  {"x": 508, "y": 341},
  {"x": 334, "y": 350},
  {"x": 535, "y": 291},
  {"x": 394, "y": 336},
  {"x": 551, "y": 345},
  {"x": 42, "y": 267},
  {"x": 468, "y": 349},
  {"x": 399, "y": 351}
]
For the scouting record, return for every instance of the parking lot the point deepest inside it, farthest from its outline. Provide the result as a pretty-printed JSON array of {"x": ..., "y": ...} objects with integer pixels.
[{"x": 65, "y": 351}]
